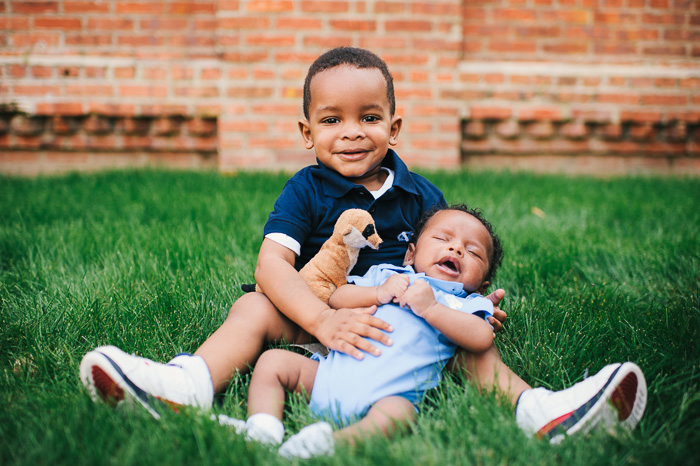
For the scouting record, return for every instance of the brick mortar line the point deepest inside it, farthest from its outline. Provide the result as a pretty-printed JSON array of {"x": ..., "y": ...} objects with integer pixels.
[
  {"x": 568, "y": 69},
  {"x": 91, "y": 60},
  {"x": 582, "y": 89}
]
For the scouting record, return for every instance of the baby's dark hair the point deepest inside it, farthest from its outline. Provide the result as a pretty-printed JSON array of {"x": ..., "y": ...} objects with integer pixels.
[
  {"x": 497, "y": 249},
  {"x": 359, "y": 58}
]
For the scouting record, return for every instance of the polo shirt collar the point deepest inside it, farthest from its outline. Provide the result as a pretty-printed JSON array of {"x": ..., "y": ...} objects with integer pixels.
[{"x": 337, "y": 186}]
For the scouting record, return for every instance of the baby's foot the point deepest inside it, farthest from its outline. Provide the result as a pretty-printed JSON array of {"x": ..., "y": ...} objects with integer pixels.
[{"x": 313, "y": 440}]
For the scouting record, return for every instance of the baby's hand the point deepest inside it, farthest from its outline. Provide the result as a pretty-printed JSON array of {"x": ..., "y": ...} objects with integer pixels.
[
  {"x": 392, "y": 289},
  {"x": 419, "y": 297}
]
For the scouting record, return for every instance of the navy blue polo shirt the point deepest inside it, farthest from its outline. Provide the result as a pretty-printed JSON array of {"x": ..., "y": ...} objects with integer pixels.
[{"x": 313, "y": 199}]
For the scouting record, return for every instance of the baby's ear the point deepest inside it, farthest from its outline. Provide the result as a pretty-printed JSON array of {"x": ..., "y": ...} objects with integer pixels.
[
  {"x": 482, "y": 289},
  {"x": 410, "y": 254}
]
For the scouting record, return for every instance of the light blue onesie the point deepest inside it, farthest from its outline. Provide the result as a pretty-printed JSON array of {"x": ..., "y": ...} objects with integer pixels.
[{"x": 345, "y": 388}]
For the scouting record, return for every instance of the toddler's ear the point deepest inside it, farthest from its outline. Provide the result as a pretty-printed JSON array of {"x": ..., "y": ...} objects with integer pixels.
[
  {"x": 305, "y": 130},
  {"x": 396, "y": 123}
]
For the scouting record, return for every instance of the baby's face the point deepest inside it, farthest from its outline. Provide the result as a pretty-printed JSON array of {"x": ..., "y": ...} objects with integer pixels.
[
  {"x": 350, "y": 123},
  {"x": 453, "y": 246}
]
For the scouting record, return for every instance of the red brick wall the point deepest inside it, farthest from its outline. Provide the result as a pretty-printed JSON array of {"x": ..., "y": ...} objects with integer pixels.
[
  {"x": 599, "y": 86},
  {"x": 588, "y": 31},
  {"x": 576, "y": 85}
]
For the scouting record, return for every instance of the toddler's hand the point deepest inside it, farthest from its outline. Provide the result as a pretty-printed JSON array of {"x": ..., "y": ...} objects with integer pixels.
[
  {"x": 392, "y": 289},
  {"x": 499, "y": 316},
  {"x": 346, "y": 330},
  {"x": 419, "y": 298}
]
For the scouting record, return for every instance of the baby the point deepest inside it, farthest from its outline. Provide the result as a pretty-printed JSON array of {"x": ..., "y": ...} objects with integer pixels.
[{"x": 434, "y": 305}]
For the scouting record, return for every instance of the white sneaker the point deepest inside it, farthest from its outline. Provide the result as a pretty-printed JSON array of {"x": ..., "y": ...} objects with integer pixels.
[
  {"x": 113, "y": 376},
  {"x": 313, "y": 440},
  {"x": 615, "y": 396}
]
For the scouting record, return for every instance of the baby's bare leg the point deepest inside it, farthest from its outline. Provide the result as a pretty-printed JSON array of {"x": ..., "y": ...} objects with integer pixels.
[
  {"x": 487, "y": 371},
  {"x": 385, "y": 417},
  {"x": 252, "y": 322},
  {"x": 276, "y": 372}
]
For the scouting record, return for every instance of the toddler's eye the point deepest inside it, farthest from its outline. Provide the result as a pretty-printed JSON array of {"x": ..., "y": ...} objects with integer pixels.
[
  {"x": 330, "y": 121},
  {"x": 371, "y": 119}
]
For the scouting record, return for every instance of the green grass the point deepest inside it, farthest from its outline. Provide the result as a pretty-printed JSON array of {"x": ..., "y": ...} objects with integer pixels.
[{"x": 605, "y": 270}]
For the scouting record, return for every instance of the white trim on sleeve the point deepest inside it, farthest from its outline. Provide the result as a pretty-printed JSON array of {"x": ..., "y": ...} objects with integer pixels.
[{"x": 286, "y": 241}]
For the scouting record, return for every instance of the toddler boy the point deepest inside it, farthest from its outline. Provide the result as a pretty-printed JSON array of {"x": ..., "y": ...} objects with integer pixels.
[{"x": 350, "y": 123}]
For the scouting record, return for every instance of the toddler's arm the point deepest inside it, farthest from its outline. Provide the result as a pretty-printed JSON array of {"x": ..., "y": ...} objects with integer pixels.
[
  {"x": 340, "y": 329},
  {"x": 469, "y": 331}
]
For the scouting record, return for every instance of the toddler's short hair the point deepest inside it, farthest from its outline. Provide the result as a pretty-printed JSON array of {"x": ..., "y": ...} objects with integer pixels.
[{"x": 359, "y": 58}]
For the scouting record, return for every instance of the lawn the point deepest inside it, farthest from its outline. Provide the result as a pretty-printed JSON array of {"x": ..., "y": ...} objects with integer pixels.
[{"x": 596, "y": 271}]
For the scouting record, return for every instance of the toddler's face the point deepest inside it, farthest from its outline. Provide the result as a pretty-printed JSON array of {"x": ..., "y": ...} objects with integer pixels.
[
  {"x": 453, "y": 246},
  {"x": 350, "y": 123}
]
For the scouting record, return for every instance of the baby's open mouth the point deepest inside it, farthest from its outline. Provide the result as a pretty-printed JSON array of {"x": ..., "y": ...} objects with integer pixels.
[{"x": 450, "y": 264}]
